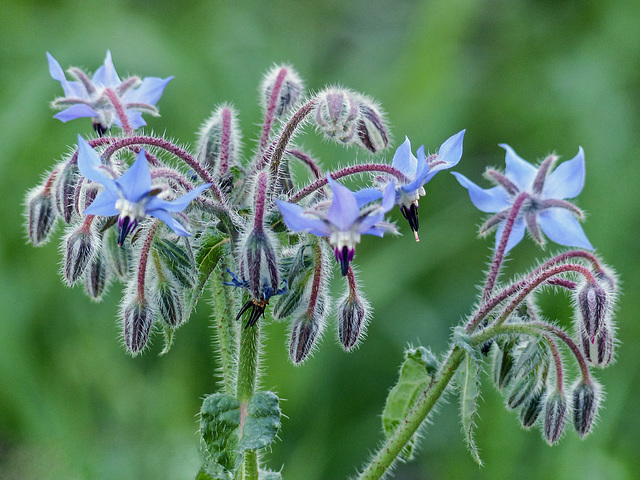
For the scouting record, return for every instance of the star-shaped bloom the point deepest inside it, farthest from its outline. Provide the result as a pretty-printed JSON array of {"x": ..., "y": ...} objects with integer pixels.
[
  {"x": 545, "y": 207},
  {"x": 90, "y": 97},
  {"x": 343, "y": 222},
  {"x": 420, "y": 171},
  {"x": 130, "y": 196}
]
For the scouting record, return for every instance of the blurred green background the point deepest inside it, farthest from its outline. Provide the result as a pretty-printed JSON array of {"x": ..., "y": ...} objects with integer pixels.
[{"x": 538, "y": 75}]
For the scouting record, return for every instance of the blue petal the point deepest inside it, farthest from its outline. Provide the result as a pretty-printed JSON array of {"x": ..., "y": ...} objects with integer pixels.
[
  {"x": 490, "y": 201},
  {"x": 136, "y": 181},
  {"x": 344, "y": 210},
  {"x": 519, "y": 171},
  {"x": 176, "y": 205},
  {"x": 563, "y": 228},
  {"x": 171, "y": 222},
  {"x": 368, "y": 222},
  {"x": 422, "y": 172},
  {"x": 104, "y": 205},
  {"x": 71, "y": 89},
  {"x": 567, "y": 180},
  {"x": 106, "y": 75},
  {"x": 517, "y": 234},
  {"x": 297, "y": 221},
  {"x": 404, "y": 160},
  {"x": 89, "y": 164},
  {"x": 149, "y": 91},
  {"x": 449, "y": 154},
  {"x": 367, "y": 195},
  {"x": 79, "y": 110}
]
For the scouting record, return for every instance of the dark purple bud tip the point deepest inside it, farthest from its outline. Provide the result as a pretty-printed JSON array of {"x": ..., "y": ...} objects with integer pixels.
[
  {"x": 585, "y": 402},
  {"x": 65, "y": 188},
  {"x": 100, "y": 128},
  {"x": 96, "y": 278},
  {"x": 344, "y": 256},
  {"x": 555, "y": 417},
  {"x": 531, "y": 409},
  {"x": 593, "y": 308},
  {"x": 138, "y": 318},
  {"x": 372, "y": 132},
  {"x": 303, "y": 336},
  {"x": 41, "y": 217}
]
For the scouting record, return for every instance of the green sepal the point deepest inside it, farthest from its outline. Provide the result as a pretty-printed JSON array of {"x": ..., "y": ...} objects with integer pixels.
[
  {"x": 465, "y": 341},
  {"x": 213, "y": 246},
  {"x": 415, "y": 376},
  {"x": 223, "y": 439},
  {"x": 269, "y": 475},
  {"x": 469, "y": 383},
  {"x": 177, "y": 260}
]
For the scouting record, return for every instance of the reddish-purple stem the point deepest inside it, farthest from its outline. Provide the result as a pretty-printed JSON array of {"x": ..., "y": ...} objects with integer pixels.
[
  {"x": 122, "y": 115},
  {"x": 271, "y": 108},
  {"x": 225, "y": 141},
  {"x": 558, "y": 362},
  {"x": 144, "y": 257}
]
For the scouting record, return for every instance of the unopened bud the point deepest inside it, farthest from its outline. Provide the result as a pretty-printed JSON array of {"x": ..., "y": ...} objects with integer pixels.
[
  {"x": 169, "y": 304},
  {"x": 372, "y": 132},
  {"x": 353, "y": 313},
  {"x": 41, "y": 216},
  {"x": 219, "y": 141},
  {"x": 288, "y": 87},
  {"x": 79, "y": 248},
  {"x": 593, "y": 308},
  {"x": 503, "y": 364},
  {"x": 138, "y": 318},
  {"x": 531, "y": 408},
  {"x": 96, "y": 278},
  {"x": 555, "y": 417},
  {"x": 337, "y": 114},
  {"x": 306, "y": 330},
  {"x": 599, "y": 351},
  {"x": 585, "y": 403},
  {"x": 119, "y": 257},
  {"x": 65, "y": 189},
  {"x": 521, "y": 391}
]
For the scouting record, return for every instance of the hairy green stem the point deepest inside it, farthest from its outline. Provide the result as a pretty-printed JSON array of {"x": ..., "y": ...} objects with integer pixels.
[
  {"x": 392, "y": 447},
  {"x": 225, "y": 330}
]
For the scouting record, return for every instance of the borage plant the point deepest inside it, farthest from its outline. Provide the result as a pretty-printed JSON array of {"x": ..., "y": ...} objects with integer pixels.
[{"x": 166, "y": 223}]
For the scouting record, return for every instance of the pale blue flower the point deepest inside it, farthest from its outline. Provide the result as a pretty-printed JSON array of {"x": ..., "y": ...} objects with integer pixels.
[
  {"x": 343, "y": 222},
  {"x": 420, "y": 171},
  {"x": 130, "y": 196},
  {"x": 85, "y": 97},
  {"x": 544, "y": 209}
]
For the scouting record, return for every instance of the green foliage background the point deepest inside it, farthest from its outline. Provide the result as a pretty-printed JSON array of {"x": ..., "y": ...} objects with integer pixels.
[{"x": 538, "y": 75}]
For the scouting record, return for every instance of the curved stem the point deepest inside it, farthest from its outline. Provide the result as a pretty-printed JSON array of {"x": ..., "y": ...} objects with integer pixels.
[
  {"x": 119, "y": 108},
  {"x": 144, "y": 257},
  {"x": 392, "y": 447},
  {"x": 344, "y": 172},
  {"x": 502, "y": 246}
]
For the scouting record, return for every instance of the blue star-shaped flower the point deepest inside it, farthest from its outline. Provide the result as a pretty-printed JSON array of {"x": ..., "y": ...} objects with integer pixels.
[
  {"x": 545, "y": 208},
  {"x": 85, "y": 97},
  {"x": 130, "y": 196},
  {"x": 343, "y": 222},
  {"x": 420, "y": 171}
]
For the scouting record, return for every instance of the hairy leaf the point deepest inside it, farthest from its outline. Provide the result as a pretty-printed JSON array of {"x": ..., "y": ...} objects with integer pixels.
[{"x": 469, "y": 382}]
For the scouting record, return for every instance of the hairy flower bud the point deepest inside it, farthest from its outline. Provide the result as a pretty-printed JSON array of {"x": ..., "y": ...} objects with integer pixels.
[
  {"x": 79, "y": 248},
  {"x": 118, "y": 257},
  {"x": 593, "y": 307},
  {"x": 41, "y": 216},
  {"x": 531, "y": 409},
  {"x": 169, "y": 304},
  {"x": 521, "y": 391},
  {"x": 138, "y": 317},
  {"x": 555, "y": 417},
  {"x": 353, "y": 313},
  {"x": 336, "y": 114},
  {"x": 585, "y": 403},
  {"x": 65, "y": 188},
  {"x": 600, "y": 350},
  {"x": 287, "y": 85},
  {"x": 219, "y": 141},
  {"x": 372, "y": 132},
  {"x": 306, "y": 330},
  {"x": 96, "y": 277},
  {"x": 503, "y": 364}
]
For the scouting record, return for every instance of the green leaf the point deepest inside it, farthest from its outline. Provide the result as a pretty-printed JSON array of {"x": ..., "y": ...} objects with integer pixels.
[
  {"x": 464, "y": 340},
  {"x": 415, "y": 375},
  {"x": 469, "y": 382},
  {"x": 210, "y": 251},
  {"x": 229, "y": 428},
  {"x": 269, "y": 475}
]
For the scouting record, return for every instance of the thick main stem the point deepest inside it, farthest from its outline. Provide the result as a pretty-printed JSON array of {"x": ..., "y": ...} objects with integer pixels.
[{"x": 396, "y": 442}]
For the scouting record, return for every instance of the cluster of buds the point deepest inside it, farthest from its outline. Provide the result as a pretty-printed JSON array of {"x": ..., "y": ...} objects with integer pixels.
[{"x": 143, "y": 211}]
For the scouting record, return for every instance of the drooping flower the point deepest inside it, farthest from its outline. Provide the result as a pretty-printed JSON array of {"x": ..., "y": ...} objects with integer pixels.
[
  {"x": 343, "y": 222},
  {"x": 545, "y": 207},
  {"x": 130, "y": 196},
  {"x": 420, "y": 171},
  {"x": 90, "y": 97}
]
